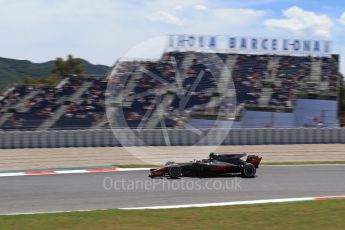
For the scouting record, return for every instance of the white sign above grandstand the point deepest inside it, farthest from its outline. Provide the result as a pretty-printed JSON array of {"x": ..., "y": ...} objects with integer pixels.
[{"x": 230, "y": 44}]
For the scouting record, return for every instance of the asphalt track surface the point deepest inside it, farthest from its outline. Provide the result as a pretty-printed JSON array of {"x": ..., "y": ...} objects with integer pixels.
[{"x": 68, "y": 192}]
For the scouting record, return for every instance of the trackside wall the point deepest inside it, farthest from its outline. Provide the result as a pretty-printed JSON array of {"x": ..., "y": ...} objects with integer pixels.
[{"x": 174, "y": 137}]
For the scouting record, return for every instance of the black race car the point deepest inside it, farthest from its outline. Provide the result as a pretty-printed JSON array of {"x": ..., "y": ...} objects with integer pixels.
[{"x": 216, "y": 164}]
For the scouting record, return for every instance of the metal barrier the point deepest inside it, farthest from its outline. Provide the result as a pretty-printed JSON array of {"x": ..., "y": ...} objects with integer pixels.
[{"x": 173, "y": 137}]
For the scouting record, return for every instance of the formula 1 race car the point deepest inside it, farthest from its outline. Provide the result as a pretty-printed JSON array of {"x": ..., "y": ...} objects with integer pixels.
[{"x": 216, "y": 164}]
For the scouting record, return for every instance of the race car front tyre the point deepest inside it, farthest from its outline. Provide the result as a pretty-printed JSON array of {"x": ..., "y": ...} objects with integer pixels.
[
  {"x": 175, "y": 171},
  {"x": 248, "y": 170}
]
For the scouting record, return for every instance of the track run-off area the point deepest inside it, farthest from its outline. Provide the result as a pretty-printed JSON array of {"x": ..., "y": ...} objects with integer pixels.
[
  {"x": 133, "y": 189},
  {"x": 43, "y": 158}
]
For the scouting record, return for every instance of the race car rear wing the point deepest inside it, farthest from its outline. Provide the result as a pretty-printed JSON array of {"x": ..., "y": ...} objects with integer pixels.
[{"x": 254, "y": 159}]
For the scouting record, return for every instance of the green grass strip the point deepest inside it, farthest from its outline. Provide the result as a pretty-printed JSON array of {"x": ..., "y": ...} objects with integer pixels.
[{"x": 316, "y": 215}]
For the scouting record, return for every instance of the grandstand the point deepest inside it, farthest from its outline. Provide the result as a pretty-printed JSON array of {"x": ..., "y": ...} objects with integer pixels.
[
  {"x": 76, "y": 102},
  {"x": 270, "y": 91}
]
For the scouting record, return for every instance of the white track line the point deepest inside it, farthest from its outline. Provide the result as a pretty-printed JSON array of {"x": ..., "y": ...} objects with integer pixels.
[
  {"x": 248, "y": 202},
  {"x": 266, "y": 201},
  {"x": 132, "y": 169},
  {"x": 49, "y": 212},
  {"x": 12, "y": 174},
  {"x": 75, "y": 171}
]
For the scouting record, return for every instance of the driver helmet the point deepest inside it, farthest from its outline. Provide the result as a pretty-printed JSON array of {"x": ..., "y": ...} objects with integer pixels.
[{"x": 212, "y": 155}]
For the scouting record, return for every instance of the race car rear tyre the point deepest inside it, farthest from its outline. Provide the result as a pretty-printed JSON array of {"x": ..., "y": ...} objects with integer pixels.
[
  {"x": 248, "y": 170},
  {"x": 175, "y": 171}
]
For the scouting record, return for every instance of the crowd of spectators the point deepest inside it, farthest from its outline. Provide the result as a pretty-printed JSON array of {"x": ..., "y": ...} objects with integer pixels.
[
  {"x": 291, "y": 72},
  {"x": 14, "y": 95},
  {"x": 37, "y": 109},
  {"x": 296, "y": 79},
  {"x": 147, "y": 83},
  {"x": 329, "y": 73},
  {"x": 152, "y": 80},
  {"x": 248, "y": 73},
  {"x": 91, "y": 108}
]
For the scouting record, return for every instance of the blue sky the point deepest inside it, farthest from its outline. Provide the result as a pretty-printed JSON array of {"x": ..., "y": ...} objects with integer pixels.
[{"x": 101, "y": 31}]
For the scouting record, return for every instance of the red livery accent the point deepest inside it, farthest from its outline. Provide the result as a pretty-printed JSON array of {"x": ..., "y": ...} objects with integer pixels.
[
  {"x": 219, "y": 168},
  {"x": 255, "y": 160}
]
